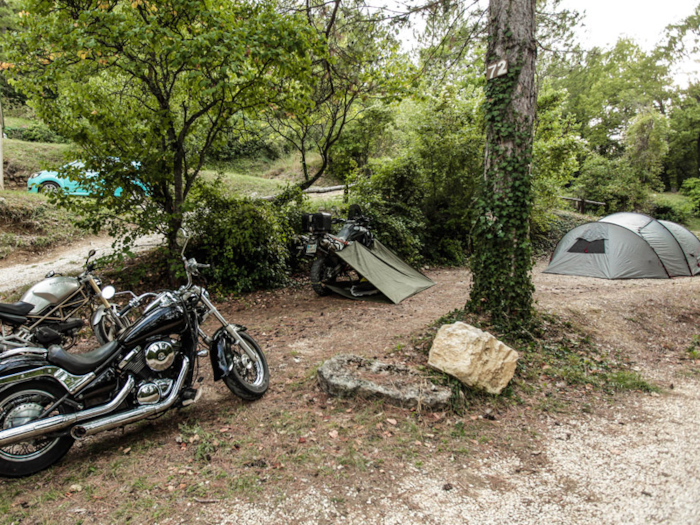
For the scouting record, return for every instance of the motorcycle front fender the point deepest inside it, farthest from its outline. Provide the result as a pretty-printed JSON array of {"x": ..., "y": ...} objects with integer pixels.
[
  {"x": 217, "y": 354},
  {"x": 99, "y": 314}
]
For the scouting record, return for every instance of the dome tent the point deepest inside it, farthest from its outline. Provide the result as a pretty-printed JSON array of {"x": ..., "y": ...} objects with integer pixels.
[{"x": 627, "y": 246}]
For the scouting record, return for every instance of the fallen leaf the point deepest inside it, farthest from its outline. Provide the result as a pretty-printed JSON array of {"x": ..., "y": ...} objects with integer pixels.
[
  {"x": 333, "y": 434},
  {"x": 302, "y": 440},
  {"x": 391, "y": 421},
  {"x": 127, "y": 450}
]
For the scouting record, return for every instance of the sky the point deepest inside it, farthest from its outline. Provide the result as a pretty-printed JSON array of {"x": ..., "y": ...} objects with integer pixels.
[{"x": 607, "y": 20}]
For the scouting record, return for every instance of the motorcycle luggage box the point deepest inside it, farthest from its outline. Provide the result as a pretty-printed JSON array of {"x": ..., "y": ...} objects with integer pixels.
[{"x": 316, "y": 222}]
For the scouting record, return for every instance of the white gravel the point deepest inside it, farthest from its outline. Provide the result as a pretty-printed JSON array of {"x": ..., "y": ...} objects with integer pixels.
[
  {"x": 633, "y": 469},
  {"x": 64, "y": 260}
]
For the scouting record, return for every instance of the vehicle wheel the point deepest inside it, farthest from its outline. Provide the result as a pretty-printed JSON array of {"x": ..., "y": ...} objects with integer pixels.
[
  {"x": 22, "y": 404},
  {"x": 319, "y": 276},
  {"x": 105, "y": 329},
  {"x": 247, "y": 379},
  {"x": 49, "y": 187}
]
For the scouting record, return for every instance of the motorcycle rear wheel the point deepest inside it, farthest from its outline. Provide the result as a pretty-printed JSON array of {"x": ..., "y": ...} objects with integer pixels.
[
  {"x": 20, "y": 405},
  {"x": 247, "y": 379}
]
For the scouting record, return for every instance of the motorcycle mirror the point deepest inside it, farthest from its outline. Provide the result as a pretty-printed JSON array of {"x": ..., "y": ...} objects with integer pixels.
[
  {"x": 182, "y": 239},
  {"x": 91, "y": 253},
  {"x": 108, "y": 292},
  {"x": 50, "y": 274}
]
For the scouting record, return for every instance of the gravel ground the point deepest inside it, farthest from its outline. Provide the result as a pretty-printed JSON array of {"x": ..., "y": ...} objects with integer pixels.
[
  {"x": 640, "y": 468},
  {"x": 68, "y": 259}
]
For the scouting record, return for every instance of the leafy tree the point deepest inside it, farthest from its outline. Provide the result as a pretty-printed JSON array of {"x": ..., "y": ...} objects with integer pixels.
[
  {"x": 646, "y": 145},
  {"x": 607, "y": 88},
  {"x": 154, "y": 83},
  {"x": 683, "y": 159},
  {"x": 362, "y": 64},
  {"x": 502, "y": 261}
]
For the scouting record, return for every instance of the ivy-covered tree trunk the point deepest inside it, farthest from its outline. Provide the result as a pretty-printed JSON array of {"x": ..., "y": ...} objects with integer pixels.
[{"x": 502, "y": 258}]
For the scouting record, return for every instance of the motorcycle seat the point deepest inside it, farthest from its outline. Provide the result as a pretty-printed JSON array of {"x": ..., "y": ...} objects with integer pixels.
[
  {"x": 81, "y": 364},
  {"x": 18, "y": 308}
]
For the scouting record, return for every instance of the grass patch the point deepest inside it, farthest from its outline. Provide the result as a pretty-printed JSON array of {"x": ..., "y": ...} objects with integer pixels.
[
  {"x": 19, "y": 122},
  {"x": 25, "y": 158},
  {"x": 240, "y": 184},
  {"x": 555, "y": 356},
  {"x": 29, "y": 222}
]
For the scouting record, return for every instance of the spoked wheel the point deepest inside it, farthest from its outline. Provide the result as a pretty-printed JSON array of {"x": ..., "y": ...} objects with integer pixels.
[
  {"x": 23, "y": 404},
  {"x": 247, "y": 378}
]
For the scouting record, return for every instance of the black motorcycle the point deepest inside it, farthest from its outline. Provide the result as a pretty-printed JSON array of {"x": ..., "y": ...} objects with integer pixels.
[
  {"x": 50, "y": 398},
  {"x": 319, "y": 243}
]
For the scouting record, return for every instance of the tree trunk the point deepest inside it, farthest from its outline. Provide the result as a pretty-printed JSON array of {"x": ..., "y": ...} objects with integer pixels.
[{"x": 502, "y": 259}]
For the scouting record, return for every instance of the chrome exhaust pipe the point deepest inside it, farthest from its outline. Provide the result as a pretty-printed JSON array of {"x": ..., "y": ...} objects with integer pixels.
[
  {"x": 137, "y": 414},
  {"x": 54, "y": 424}
]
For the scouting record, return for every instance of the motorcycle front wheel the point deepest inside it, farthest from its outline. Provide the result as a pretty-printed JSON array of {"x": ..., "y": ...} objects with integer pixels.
[
  {"x": 23, "y": 404},
  {"x": 320, "y": 274},
  {"x": 248, "y": 378},
  {"x": 104, "y": 326}
]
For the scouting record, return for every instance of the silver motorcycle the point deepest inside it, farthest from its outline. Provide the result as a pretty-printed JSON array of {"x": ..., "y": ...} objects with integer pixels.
[{"x": 48, "y": 312}]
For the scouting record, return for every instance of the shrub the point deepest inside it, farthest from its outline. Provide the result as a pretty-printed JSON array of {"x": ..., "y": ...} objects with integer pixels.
[
  {"x": 34, "y": 133},
  {"x": 392, "y": 198},
  {"x": 691, "y": 189},
  {"x": 666, "y": 209},
  {"x": 245, "y": 241},
  {"x": 613, "y": 182}
]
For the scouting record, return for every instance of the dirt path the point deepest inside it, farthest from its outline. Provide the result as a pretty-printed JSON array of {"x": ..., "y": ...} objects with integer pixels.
[
  {"x": 23, "y": 269},
  {"x": 298, "y": 457}
]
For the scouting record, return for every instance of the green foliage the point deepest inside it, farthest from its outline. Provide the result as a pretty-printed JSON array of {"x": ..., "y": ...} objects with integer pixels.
[
  {"x": 392, "y": 197},
  {"x": 613, "y": 182},
  {"x": 547, "y": 234},
  {"x": 607, "y": 87},
  {"x": 691, "y": 189},
  {"x": 646, "y": 145},
  {"x": 36, "y": 132},
  {"x": 667, "y": 209},
  {"x": 684, "y": 137},
  {"x": 362, "y": 137},
  {"x": 246, "y": 241},
  {"x": 361, "y": 65},
  {"x": 422, "y": 201},
  {"x": 556, "y": 149}
]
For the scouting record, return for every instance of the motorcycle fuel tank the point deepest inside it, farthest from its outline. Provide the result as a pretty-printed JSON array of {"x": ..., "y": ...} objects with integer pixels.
[
  {"x": 159, "y": 322},
  {"x": 51, "y": 291}
]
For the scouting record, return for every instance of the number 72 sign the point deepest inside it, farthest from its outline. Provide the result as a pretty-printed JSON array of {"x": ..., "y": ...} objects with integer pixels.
[{"x": 496, "y": 69}]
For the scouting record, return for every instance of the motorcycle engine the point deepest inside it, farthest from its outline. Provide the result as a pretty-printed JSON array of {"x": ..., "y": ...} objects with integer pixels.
[{"x": 160, "y": 355}]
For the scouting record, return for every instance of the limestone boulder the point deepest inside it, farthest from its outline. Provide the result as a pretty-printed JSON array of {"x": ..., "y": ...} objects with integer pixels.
[
  {"x": 473, "y": 356},
  {"x": 347, "y": 375}
]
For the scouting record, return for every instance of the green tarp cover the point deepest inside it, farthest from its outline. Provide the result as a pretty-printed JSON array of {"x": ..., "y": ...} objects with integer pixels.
[{"x": 381, "y": 267}]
